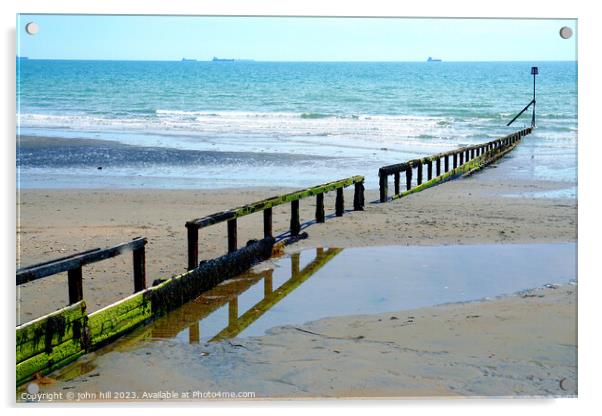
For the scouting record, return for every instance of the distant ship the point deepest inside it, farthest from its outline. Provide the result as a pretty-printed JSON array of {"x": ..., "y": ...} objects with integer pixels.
[
  {"x": 188, "y": 60},
  {"x": 216, "y": 59},
  {"x": 433, "y": 60}
]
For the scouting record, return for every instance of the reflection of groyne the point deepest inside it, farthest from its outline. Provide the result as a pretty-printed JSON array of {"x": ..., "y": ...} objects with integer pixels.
[
  {"x": 238, "y": 324},
  {"x": 191, "y": 314},
  {"x": 466, "y": 160}
]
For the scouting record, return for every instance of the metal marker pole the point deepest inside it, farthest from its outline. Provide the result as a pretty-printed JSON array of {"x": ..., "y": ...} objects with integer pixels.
[{"x": 534, "y": 72}]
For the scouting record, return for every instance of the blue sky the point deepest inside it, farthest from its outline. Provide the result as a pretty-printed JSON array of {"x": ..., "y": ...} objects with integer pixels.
[{"x": 293, "y": 39}]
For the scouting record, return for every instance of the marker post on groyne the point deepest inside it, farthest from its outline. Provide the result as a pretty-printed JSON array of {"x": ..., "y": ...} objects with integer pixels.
[{"x": 534, "y": 72}]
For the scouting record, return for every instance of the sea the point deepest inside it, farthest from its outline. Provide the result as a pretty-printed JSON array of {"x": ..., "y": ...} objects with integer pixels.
[{"x": 207, "y": 125}]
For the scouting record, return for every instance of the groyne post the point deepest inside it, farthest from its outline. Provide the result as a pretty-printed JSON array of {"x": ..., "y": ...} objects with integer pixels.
[
  {"x": 76, "y": 292},
  {"x": 139, "y": 259},
  {"x": 339, "y": 203},
  {"x": 232, "y": 236},
  {"x": 267, "y": 222},
  {"x": 295, "y": 221},
  {"x": 320, "y": 217},
  {"x": 358, "y": 196},
  {"x": 193, "y": 245}
]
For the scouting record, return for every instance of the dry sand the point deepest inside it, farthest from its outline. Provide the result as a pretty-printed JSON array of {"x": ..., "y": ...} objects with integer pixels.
[
  {"x": 55, "y": 223},
  {"x": 520, "y": 345}
]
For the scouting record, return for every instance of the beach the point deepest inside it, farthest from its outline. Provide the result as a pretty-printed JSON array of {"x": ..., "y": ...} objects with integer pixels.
[{"x": 56, "y": 223}]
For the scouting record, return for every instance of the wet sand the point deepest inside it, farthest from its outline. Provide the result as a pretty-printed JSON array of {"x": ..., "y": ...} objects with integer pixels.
[
  {"x": 519, "y": 345},
  {"x": 56, "y": 223}
]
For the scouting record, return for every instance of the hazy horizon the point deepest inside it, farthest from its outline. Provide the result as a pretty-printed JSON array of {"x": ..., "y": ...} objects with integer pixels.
[{"x": 294, "y": 39}]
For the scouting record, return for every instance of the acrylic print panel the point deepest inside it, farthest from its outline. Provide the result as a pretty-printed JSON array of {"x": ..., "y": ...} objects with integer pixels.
[{"x": 294, "y": 207}]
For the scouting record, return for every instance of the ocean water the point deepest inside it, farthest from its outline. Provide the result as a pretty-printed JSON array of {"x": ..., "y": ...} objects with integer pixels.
[{"x": 231, "y": 124}]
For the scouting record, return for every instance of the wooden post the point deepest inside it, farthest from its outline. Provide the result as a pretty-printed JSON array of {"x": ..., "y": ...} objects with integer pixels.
[
  {"x": 429, "y": 174},
  {"x": 76, "y": 292},
  {"x": 358, "y": 196},
  {"x": 320, "y": 217},
  {"x": 397, "y": 187},
  {"x": 455, "y": 157},
  {"x": 295, "y": 222},
  {"x": 267, "y": 222},
  {"x": 139, "y": 258},
  {"x": 438, "y": 166},
  {"x": 382, "y": 183},
  {"x": 193, "y": 246},
  {"x": 419, "y": 173},
  {"x": 408, "y": 177},
  {"x": 339, "y": 203},
  {"x": 447, "y": 163},
  {"x": 232, "y": 236},
  {"x": 461, "y": 158}
]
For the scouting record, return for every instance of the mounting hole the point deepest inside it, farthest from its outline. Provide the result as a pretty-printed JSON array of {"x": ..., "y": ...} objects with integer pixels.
[
  {"x": 32, "y": 28},
  {"x": 566, "y": 32}
]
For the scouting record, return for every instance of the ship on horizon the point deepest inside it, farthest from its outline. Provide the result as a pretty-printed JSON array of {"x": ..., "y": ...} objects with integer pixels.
[
  {"x": 431, "y": 59},
  {"x": 216, "y": 59},
  {"x": 188, "y": 60}
]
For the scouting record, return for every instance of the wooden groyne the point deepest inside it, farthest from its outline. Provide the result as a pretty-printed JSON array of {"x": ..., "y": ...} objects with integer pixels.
[
  {"x": 74, "y": 263},
  {"x": 266, "y": 206},
  {"x": 56, "y": 339},
  {"x": 444, "y": 166}
]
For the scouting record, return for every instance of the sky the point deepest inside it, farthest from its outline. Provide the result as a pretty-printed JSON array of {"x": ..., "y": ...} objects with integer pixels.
[{"x": 293, "y": 38}]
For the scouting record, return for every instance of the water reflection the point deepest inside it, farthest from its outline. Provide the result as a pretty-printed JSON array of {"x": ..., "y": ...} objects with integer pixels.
[{"x": 206, "y": 313}]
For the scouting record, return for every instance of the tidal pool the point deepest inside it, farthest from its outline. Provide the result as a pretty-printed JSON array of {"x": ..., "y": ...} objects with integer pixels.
[{"x": 326, "y": 282}]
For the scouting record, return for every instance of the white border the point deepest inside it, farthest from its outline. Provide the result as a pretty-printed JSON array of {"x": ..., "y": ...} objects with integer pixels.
[{"x": 589, "y": 113}]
